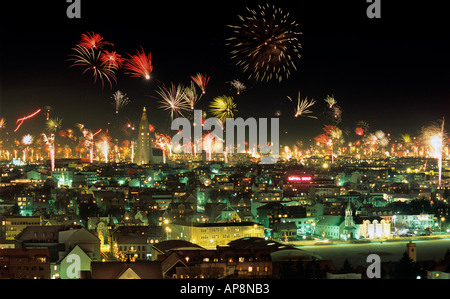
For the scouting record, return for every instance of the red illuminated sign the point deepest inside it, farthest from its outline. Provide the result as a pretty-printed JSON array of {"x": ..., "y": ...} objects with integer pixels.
[{"x": 296, "y": 178}]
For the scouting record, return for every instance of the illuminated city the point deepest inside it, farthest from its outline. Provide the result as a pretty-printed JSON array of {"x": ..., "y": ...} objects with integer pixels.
[{"x": 329, "y": 157}]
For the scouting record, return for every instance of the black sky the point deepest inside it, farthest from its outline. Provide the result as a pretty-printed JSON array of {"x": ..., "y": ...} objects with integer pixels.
[{"x": 391, "y": 72}]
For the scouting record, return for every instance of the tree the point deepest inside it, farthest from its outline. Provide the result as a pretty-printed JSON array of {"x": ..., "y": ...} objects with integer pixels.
[
  {"x": 406, "y": 268},
  {"x": 347, "y": 267}
]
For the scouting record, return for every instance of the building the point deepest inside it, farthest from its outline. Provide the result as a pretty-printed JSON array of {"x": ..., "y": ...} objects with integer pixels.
[
  {"x": 125, "y": 270},
  {"x": 222, "y": 262},
  {"x": 211, "y": 235},
  {"x": 13, "y": 225},
  {"x": 144, "y": 151},
  {"x": 374, "y": 228},
  {"x": 22, "y": 263}
]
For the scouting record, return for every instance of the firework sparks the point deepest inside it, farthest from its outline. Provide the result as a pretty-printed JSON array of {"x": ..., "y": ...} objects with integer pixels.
[
  {"x": 92, "y": 40},
  {"x": 88, "y": 141},
  {"x": 238, "y": 85},
  {"x": 223, "y": 107},
  {"x": 20, "y": 121},
  {"x": 302, "y": 107},
  {"x": 50, "y": 141},
  {"x": 434, "y": 136},
  {"x": 91, "y": 61},
  {"x": 191, "y": 96},
  {"x": 112, "y": 60},
  {"x": 164, "y": 143},
  {"x": 120, "y": 100},
  {"x": 27, "y": 139},
  {"x": 173, "y": 99},
  {"x": 266, "y": 43},
  {"x": 139, "y": 65},
  {"x": 331, "y": 101},
  {"x": 2, "y": 123},
  {"x": 201, "y": 80},
  {"x": 54, "y": 124}
]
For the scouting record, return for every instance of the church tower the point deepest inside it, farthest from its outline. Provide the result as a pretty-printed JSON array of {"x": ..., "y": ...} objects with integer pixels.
[
  {"x": 144, "y": 151},
  {"x": 411, "y": 251}
]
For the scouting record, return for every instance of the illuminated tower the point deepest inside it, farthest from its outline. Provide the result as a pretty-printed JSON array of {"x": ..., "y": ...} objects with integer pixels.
[
  {"x": 411, "y": 251},
  {"x": 144, "y": 152}
]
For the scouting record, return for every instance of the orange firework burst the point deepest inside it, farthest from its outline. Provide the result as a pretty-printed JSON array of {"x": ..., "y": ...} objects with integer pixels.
[{"x": 139, "y": 65}]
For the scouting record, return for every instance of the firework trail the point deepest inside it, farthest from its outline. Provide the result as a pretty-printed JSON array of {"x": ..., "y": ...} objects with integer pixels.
[
  {"x": 88, "y": 140},
  {"x": 50, "y": 141},
  {"x": 265, "y": 44},
  {"x": 139, "y": 65},
  {"x": 90, "y": 60},
  {"x": 201, "y": 80},
  {"x": 2, "y": 123},
  {"x": 163, "y": 142},
  {"x": 238, "y": 85},
  {"x": 223, "y": 107},
  {"x": 20, "y": 121},
  {"x": 120, "y": 100},
  {"x": 173, "y": 99},
  {"x": 302, "y": 107}
]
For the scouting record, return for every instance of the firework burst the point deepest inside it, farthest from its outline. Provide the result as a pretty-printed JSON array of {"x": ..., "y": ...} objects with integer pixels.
[
  {"x": 139, "y": 65},
  {"x": 265, "y": 44},
  {"x": 173, "y": 99},
  {"x": 201, "y": 80},
  {"x": 302, "y": 107},
  {"x": 120, "y": 100},
  {"x": 331, "y": 101},
  {"x": 27, "y": 139},
  {"x": 111, "y": 59},
  {"x": 238, "y": 85},
  {"x": 223, "y": 107},
  {"x": 92, "y": 40},
  {"x": 54, "y": 124},
  {"x": 90, "y": 60},
  {"x": 191, "y": 96}
]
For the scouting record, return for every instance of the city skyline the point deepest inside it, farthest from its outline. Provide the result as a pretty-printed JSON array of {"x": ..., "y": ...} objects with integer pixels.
[{"x": 389, "y": 72}]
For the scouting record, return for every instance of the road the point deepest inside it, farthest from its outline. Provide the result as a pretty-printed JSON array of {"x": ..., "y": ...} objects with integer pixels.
[{"x": 388, "y": 251}]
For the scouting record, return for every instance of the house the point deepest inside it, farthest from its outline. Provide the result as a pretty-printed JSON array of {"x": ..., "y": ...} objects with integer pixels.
[
  {"x": 210, "y": 235},
  {"x": 22, "y": 263},
  {"x": 337, "y": 227},
  {"x": 124, "y": 270},
  {"x": 71, "y": 263},
  {"x": 222, "y": 262},
  {"x": 165, "y": 246},
  {"x": 284, "y": 231}
]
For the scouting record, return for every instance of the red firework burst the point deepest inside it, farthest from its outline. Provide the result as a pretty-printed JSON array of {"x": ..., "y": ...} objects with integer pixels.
[
  {"x": 92, "y": 40},
  {"x": 139, "y": 65},
  {"x": 111, "y": 59},
  {"x": 201, "y": 80}
]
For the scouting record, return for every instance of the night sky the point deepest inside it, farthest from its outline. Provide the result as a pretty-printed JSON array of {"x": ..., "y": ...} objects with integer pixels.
[{"x": 391, "y": 72}]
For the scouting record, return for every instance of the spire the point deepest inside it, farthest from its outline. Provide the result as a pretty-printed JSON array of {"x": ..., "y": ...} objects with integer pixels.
[{"x": 144, "y": 151}]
